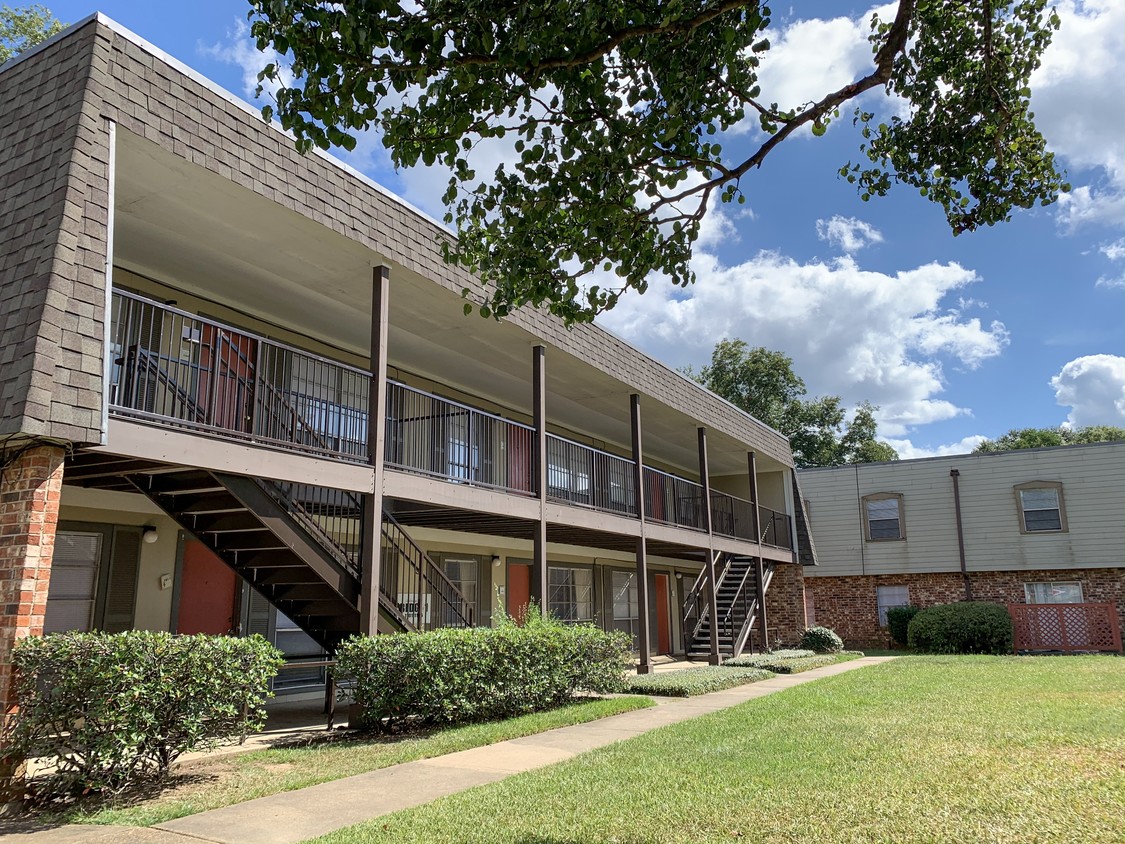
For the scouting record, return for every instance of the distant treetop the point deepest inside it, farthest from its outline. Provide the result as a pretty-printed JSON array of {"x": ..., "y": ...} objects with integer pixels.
[
  {"x": 1018, "y": 438},
  {"x": 24, "y": 27}
]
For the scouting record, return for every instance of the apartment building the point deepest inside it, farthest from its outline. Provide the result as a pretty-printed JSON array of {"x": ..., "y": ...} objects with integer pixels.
[
  {"x": 198, "y": 325},
  {"x": 1035, "y": 526}
]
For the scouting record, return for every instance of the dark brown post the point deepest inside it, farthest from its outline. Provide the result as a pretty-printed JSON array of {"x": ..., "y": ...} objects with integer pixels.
[
  {"x": 644, "y": 666},
  {"x": 755, "y": 515},
  {"x": 539, "y": 414},
  {"x": 712, "y": 592},
  {"x": 956, "y": 475},
  {"x": 760, "y": 579},
  {"x": 376, "y": 433}
]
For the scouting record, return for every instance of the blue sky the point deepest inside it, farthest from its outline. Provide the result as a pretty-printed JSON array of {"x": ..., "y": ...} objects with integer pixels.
[{"x": 955, "y": 338}]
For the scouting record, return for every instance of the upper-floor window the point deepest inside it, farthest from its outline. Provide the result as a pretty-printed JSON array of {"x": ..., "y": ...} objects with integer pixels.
[
  {"x": 1041, "y": 507},
  {"x": 882, "y": 516}
]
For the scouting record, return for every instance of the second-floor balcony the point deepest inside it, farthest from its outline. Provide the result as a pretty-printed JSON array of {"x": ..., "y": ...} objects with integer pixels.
[{"x": 176, "y": 368}]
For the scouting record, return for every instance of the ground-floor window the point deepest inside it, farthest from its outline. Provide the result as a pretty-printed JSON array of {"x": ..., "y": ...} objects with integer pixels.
[
  {"x": 463, "y": 571},
  {"x": 93, "y": 578},
  {"x": 887, "y": 597},
  {"x": 623, "y": 600},
  {"x": 570, "y": 593},
  {"x": 1053, "y": 592}
]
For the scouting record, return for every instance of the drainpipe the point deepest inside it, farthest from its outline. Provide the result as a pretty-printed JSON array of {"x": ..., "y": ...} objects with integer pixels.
[{"x": 953, "y": 473}]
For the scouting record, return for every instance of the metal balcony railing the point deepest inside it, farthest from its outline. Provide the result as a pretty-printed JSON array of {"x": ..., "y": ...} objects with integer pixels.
[
  {"x": 440, "y": 437},
  {"x": 188, "y": 371},
  {"x": 191, "y": 372},
  {"x": 581, "y": 474}
]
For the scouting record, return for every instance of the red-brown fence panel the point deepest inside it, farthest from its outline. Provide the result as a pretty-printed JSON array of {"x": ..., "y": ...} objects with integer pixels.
[{"x": 1065, "y": 627}]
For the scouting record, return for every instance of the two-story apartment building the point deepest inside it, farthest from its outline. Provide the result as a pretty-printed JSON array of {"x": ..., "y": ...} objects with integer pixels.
[
  {"x": 1034, "y": 526},
  {"x": 199, "y": 326}
]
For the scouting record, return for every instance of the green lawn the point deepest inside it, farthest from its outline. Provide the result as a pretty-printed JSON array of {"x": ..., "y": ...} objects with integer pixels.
[
  {"x": 223, "y": 780},
  {"x": 920, "y": 749}
]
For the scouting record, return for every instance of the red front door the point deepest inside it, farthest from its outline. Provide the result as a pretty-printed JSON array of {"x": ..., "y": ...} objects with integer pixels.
[
  {"x": 207, "y": 592},
  {"x": 519, "y": 590},
  {"x": 226, "y": 378}
]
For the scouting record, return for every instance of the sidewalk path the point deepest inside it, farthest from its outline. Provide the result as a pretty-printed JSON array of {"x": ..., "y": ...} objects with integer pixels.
[{"x": 294, "y": 816}]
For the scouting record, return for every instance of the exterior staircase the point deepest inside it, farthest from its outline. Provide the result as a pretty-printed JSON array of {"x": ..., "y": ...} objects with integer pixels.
[
  {"x": 737, "y": 599},
  {"x": 298, "y": 546}
]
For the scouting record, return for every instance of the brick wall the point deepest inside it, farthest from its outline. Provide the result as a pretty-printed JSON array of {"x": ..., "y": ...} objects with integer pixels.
[
  {"x": 848, "y": 604},
  {"x": 30, "y": 490},
  {"x": 785, "y": 604}
]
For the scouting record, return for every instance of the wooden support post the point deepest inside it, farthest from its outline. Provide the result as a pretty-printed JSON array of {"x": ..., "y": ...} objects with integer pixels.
[
  {"x": 539, "y": 415},
  {"x": 712, "y": 591},
  {"x": 752, "y": 468},
  {"x": 644, "y": 665},
  {"x": 759, "y": 577},
  {"x": 370, "y": 555}
]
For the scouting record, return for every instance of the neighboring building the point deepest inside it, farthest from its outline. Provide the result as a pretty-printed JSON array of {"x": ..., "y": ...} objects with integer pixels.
[
  {"x": 197, "y": 326},
  {"x": 1037, "y": 526}
]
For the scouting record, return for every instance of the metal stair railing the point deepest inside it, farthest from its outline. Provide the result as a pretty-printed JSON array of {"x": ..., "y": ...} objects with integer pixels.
[
  {"x": 419, "y": 589},
  {"x": 752, "y": 614},
  {"x": 696, "y": 609}
]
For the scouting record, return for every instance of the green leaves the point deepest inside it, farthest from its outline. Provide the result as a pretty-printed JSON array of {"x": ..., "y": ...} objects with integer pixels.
[
  {"x": 116, "y": 709},
  {"x": 612, "y": 174}
]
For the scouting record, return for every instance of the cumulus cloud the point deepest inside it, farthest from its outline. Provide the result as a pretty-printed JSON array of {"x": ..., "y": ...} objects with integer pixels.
[
  {"x": 908, "y": 451},
  {"x": 848, "y": 233},
  {"x": 1093, "y": 387},
  {"x": 1079, "y": 108},
  {"x": 851, "y": 332},
  {"x": 240, "y": 50}
]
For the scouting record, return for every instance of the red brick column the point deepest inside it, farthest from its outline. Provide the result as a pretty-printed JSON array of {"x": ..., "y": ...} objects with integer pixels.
[
  {"x": 30, "y": 489},
  {"x": 785, "y": 604}
]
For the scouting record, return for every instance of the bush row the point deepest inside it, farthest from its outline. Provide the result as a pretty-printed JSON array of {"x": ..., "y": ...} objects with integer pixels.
[
  {"x": 455, "y": 675},
  {"x": 688, "y": 682},
  {"x": 115, "y": 709},
  {"x": 898, "y": 621},
  {"x": 968, "y": 627}
]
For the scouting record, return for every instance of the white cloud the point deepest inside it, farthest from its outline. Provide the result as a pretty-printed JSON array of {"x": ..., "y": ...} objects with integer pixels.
[
  {"x": 1093, "y": 387},
  {"x": 1115, "y": 252},
  {"x": 851, "y": 332},
  {"x": 239, "y": 49},
  {"x": 1079, "y": 108},
  {"x": 848, "y": 233},
  {"x": 908, "y": 451}
]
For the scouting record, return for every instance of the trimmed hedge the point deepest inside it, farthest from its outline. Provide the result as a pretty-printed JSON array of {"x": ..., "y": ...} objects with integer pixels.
[
  {"x": 688, "y": 682},
  {"x": 454, "y": 675},
  {"x": 822, "y": 640},
  {"x": 782, "y": 661},
  {"x": 119, "y": 708},
  {"x": 968, "y": 627},
  {"x": 898, "y": 621}
]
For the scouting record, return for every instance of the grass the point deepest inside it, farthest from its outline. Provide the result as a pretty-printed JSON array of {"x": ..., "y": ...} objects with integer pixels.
[
  {"x": 700, "y": 680},
  {"x": 221, "y": 781},
  {"x": 919, "y": 749}
]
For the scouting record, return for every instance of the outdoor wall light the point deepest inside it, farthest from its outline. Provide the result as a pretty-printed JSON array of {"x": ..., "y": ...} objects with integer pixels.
[
  {"x": 496, "y": 561},
  {"x": 149, "y": 535}
]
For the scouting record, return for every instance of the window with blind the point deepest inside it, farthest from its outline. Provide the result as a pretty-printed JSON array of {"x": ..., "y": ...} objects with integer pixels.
[
  {"x": 93, "y": 578},
  {"x": 1041, "y": 508},
  {"x": 883, "y": 517}
]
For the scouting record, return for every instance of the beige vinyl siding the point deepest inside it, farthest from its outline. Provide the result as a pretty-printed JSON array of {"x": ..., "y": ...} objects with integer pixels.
[{"x": 1093, "y": 489}]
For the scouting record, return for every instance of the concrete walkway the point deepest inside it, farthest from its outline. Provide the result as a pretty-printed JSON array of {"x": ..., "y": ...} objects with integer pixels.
[{"x": 294, "y": 816}]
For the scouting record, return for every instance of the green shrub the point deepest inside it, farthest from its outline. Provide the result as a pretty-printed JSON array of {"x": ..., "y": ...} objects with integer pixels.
[
  {"x": 687, "y": 682},
  {"x": 898, "y": 620},
  {"x": 821, "y": 640},
  {"x": 455, "y": 675},
  {"x": 969, "y": 627},
  {"x": 118, "y": 708},
  {"x": 790, "y": 661}
]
